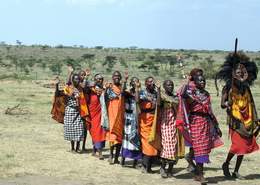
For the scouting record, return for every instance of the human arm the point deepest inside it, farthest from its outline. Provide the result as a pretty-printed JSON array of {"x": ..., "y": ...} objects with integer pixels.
[
  {"x": 225, "y": 103},
  {"x": 70, "y": 72},
  {"x": 125, "y": 82},
  {"x": 158, "y": 86},
  {"x": 137, "y": 91}
]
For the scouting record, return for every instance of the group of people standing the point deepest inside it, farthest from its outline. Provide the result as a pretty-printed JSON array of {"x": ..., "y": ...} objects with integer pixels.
[{"x": 144, "y": 124}]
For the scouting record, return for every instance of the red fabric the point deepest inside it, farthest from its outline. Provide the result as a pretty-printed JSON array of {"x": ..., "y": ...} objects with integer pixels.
[
  {"x": 169, "y": 133},
  {"x": 242, "y": 145},
  {"x": 96, "y": 131},
  {"x": 182, "y": 120},
  {"x": 200, "y": 135},
  {"x": 58, "y": 108}
]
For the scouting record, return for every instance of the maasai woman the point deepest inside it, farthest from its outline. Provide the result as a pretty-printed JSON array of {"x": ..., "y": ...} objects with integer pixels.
[
  {"x": 83, "y": 97},
  {"x": 172, "y": 139},
  {"x": 239, "y": 73},
  {"x": 95, "y": 114},
  {"x": 74, "y": 114},
  {"x": 131, "y": 147},
  {"x": 115, "y": 108},
  {"x": 183, "y": 114},
  {"x": 203, "y": 125},
  {"x": 149, "y": 99}
]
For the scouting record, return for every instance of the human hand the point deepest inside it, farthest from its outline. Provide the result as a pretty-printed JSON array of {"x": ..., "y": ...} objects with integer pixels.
[
  {"x": 108, "y": 85},
  {"x": 158, "y": 84},
  {"x": 70, "y": 69},
  {"x": 88, "y": 72},
  {"x": 57, "y": 80},
  {"x": 138, "y": 85},
  {"x": 126, "y": 76},
  {"x": 228, "y": 105}
]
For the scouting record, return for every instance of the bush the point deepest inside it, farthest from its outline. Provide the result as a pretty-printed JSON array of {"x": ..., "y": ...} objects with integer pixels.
[
  {"x": 56, "y": 68},
  {"x": 73, "y": 62},
  {"x": 9, "y": 76}
]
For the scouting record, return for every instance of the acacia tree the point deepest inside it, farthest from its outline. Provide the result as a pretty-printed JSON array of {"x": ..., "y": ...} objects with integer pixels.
[
  {"x": 110, "y": 61},
  {"x": 56, "y": 68},
  {"x": 208, "y": 67},
  {"x": 18, "y": 42},
  {"x": 195, "y": 57},
  {"x": 14, "y": 60},
  {"x": 123, "y": 62},
  {"x": 89, "y": 59},
  {"x": 172, "y": 61},
  {"x": 72, "y": 62},
  {"x": 141, "y": 56}
]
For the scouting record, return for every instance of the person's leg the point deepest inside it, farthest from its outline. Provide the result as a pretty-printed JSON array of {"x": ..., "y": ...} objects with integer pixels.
[
  {"x": 189, "y": 158},
  {"x": 238, "y": 164},
  {"x": 135, "y": 163},
  {"x": 100, "y": 155},
  {"x": 149, "y": 164},
  {"x": 94, "y": 151},
  {"x": 162, "y": 169},
  {"x": 78, "y": 146},
  {"x": 118, "y": 148},
  {"x": 199, "y": 174},
  {"x": 122, "y": 161},
  {"x": 225, "y": 165},
  {"x": 72, "y": 146},
  {"x": 145, "y": 162},
  {"x": 170, "y": 169},
  {"x": 84, "y": 140},
  {"x": 111, "y": 157}
]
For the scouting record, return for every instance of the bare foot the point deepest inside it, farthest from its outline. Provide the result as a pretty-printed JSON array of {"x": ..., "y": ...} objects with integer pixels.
[
  {"x": 110, "y": 160},
  {"x": 101, "y": 157},
  {"x": 201, "y": 179},
  {"x": 79, "y": 151}
]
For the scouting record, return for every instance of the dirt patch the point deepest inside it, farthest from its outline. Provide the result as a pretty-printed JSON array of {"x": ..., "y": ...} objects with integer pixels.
[{"x": 40, "y": 180}]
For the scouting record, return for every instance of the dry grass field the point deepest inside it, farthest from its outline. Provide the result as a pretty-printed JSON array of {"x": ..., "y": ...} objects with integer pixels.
[{"x": 33, "y": 151}]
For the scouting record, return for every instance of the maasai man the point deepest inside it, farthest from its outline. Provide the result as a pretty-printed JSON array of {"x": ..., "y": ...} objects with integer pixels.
[
  {"x": 97, "y": 133},
  {"x": 115, "y": 108},
  {"x": 172, "y": 139},
  {"x": 75, "y": 113},
  {"x": 239, "y": 73},
  {"x": 203, "y": 125},
  {"x": 183, "y": 114},
  {"x": 131, "y": 147},
  {"x": 149, "y": 98}
]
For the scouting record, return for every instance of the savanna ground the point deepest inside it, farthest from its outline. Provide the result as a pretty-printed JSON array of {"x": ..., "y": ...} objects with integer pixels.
[{"x": 33, "y": 150}]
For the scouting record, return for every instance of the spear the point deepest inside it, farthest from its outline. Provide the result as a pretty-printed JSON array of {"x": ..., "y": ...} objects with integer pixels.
[
  {"x": 232, "y": 83},
  {"x": 236, "y": 46},
  {"x": 235, "y": 58},
  {"x": 234, "y": 63}
]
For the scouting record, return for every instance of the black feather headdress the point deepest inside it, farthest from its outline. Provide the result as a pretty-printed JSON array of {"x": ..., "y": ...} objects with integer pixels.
[{"x": 232, "y": 62}]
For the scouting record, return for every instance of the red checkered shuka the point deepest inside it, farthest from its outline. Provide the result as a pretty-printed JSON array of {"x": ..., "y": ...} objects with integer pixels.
[
  {"x": 200, "y": 135},
  {"x": 168, "y": 131},
  {"x": 200, "y": 129}
]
